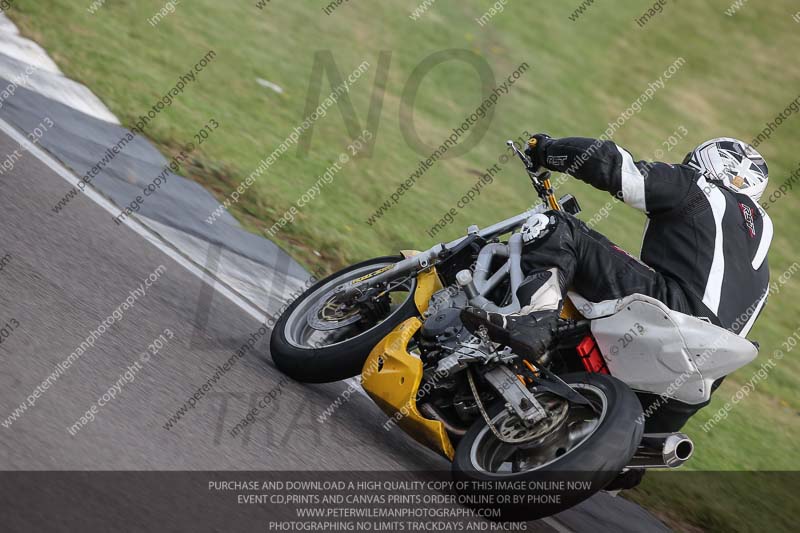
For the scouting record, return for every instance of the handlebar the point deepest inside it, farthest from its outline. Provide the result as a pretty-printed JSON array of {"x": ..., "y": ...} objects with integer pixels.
[{"x": 540, "y": 176}]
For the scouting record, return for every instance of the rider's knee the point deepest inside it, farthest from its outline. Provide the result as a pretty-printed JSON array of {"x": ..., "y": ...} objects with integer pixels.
[{"x": 538, "y": 226}]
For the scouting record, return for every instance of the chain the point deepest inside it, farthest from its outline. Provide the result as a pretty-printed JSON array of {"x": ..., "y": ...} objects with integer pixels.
[{"x": 483, "y": 411}]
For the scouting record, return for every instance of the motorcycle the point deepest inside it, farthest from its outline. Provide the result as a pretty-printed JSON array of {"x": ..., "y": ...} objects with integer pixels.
[{"x": 574, "y": 413}]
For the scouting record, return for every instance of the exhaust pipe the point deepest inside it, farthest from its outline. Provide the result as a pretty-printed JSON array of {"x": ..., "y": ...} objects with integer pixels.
[
  {"x": 432, "y": 413},
  {"x": 662, "y": 450}
]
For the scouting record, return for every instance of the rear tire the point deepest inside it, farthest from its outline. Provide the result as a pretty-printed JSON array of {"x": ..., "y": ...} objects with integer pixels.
[
  {"x": 594, "y": 461},
  {"x": 346, "y": 358}
]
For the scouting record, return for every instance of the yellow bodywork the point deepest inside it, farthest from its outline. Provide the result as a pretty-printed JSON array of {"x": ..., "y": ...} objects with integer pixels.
[
  {"x": 569, "y": 310},
  {"x": 392, "y": 376}
]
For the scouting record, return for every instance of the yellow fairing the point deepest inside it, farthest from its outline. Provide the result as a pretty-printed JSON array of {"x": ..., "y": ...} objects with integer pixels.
[
  {"x": 427, "y": 283},
  {"x": 391, "y": 376},
  {"x": 570, "y": 311}
]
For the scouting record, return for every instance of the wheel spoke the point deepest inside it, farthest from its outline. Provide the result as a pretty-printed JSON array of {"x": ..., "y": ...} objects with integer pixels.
[
  {"x": 321, "y": 320},
  {"x": 567, "y": 427}
]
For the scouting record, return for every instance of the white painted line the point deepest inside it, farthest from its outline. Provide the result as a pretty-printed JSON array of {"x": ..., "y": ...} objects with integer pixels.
[
  {"x": 6, "y": 26},
  {"x": 47, "y": 79},
  {"x": 18, "y": 47},
  {"x": 130, "y": 222},
  {"x": 137, "y": 226}
]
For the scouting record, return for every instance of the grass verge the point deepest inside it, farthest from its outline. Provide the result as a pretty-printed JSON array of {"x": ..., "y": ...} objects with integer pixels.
[{"x": 739, "y": 73}]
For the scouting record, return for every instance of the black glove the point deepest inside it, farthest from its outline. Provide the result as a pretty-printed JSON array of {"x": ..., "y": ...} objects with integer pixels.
[{"x": 536, "y": 153}]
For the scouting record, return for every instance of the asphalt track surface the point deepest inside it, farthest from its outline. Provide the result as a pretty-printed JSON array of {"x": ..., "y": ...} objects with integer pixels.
[{"x": 64, "y": 275}]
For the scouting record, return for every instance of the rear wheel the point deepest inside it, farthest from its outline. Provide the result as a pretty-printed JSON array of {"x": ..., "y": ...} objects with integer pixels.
[
  {"x": 319, "y": 339},
  {"x": 561, "y": 461}
]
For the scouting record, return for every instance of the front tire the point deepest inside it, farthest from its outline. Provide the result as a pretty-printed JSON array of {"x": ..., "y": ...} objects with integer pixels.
[
  {"x": 557, "y": 479},
  {"x": 298, "y": 352}
]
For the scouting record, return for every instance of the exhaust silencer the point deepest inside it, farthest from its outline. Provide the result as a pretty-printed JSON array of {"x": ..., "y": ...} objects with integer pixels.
[{"x": 662, "y": 450}]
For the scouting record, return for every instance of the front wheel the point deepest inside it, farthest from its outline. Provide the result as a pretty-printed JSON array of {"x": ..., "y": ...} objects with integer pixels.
[
  {"x": 535, "y": 472},
  {"x": 319, "y": 339}
]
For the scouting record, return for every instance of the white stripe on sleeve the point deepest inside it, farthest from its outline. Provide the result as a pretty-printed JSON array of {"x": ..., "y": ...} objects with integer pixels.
[{"x": 632, "y": 182}]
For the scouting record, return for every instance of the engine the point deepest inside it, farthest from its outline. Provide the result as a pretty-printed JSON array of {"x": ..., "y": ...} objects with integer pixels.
[
  {"x": 442, "y": 329},
  {"x": 449, "y": 400}
]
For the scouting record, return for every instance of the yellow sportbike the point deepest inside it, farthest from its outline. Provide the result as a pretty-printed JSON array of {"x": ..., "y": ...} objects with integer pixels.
[{"x": 539, "y": 435}]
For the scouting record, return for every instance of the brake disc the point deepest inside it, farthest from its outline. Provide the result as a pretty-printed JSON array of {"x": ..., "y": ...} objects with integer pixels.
[
  {"x": 331, "y": 314},
  {"x": 512, "y": 429},
  {"x": 515, "y": 431}
]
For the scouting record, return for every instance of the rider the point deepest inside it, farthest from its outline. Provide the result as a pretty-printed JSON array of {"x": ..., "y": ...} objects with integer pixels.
[{"x": 704, "y": 251}]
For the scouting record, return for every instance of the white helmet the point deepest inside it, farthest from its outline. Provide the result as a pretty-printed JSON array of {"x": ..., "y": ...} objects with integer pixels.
[{"x": 736, "y": 164}]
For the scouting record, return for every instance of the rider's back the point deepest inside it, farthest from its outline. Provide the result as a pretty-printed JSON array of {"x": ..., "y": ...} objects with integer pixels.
[{"x": 714, "y": 244}]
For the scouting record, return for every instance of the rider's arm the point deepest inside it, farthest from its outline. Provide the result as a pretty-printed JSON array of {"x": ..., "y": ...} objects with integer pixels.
[{"x": 649, "y": 186}]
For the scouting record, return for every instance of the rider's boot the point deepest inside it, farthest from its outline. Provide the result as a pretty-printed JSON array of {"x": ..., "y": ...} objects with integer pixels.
[
  {"x": 530, "y": 331},
  {"x": 528, "y": 335}
]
